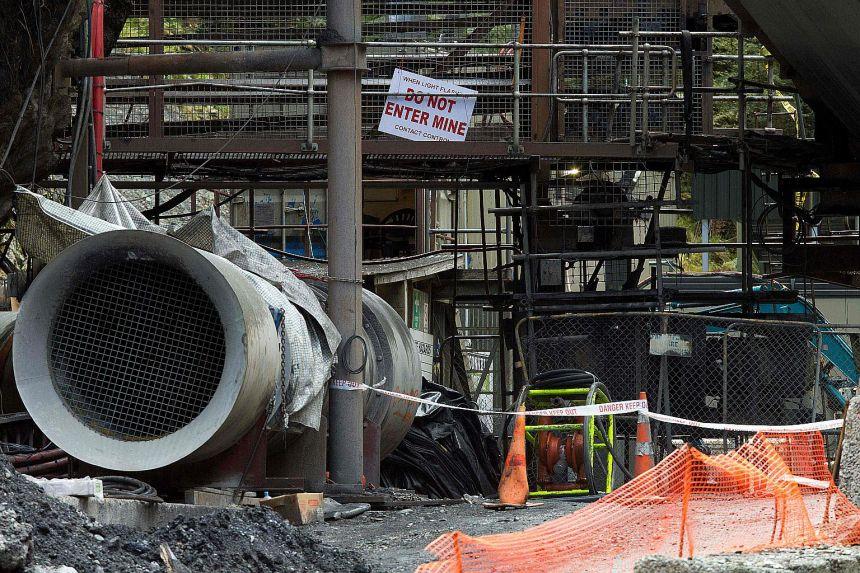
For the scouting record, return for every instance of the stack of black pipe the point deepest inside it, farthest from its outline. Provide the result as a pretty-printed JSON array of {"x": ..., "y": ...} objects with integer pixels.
[{"x": 446, "y": 453}]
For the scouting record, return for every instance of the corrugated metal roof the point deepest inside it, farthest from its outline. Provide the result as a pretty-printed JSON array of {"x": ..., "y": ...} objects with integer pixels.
[{"x": 386, "y": 270}]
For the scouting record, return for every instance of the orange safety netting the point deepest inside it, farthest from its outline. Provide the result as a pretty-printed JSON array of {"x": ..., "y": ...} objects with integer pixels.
[{"x": 775, "y": 491}]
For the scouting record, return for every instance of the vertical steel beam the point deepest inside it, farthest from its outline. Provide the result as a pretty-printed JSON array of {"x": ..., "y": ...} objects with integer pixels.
[
  {"x": 97, "y": 47},
  {"x": 344, "y": 205},
  {"x": 309, "y": 242},
  {"x": 744, "y": 167},
  {"x": 516, "y": 148},
  {"x": 252, "y": 213},
  {"x": 585, "y": 100},
  {"x": 80, "y": 183},
  {"x": 155, "y": 97},
  {"x": 542, "y": 33},
  {"x": 309, "y": 144}
]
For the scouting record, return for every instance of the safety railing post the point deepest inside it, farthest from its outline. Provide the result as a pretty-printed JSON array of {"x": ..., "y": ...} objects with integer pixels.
[
  {"x": 309, "y": 144},
  {"x": 725, "y": 396},
  {"x": 646, "y": 79},
  {"x": 585, "y": 100},
  {"x": 516, "y": 148},
  {"x": 816, "y": 386},
  {"x": 634, "y": 80}
]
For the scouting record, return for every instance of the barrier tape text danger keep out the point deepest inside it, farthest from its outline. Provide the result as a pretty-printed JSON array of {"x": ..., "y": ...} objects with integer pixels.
[{"x": 609, "y": 408}]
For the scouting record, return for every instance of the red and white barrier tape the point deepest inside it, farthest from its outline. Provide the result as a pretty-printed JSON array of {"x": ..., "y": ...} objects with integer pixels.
[
  {"x": 810, "y": 427},
  {"x": 609, "y": 408}
]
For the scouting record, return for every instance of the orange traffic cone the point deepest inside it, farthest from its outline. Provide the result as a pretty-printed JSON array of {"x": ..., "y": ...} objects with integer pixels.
[
  {"x": 644, "y": 450},
  {"x": 514, "y": 485}
]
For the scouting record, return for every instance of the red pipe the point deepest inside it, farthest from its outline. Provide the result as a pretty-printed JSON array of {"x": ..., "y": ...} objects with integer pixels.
[
  {"x": 97, "y": 43},
  {"x": 26, "y": 459},
  {"x": 46, "y": 467}
]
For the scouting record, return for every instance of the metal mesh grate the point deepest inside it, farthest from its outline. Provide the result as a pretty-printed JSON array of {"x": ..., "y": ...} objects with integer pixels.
[
  {"x": 137, "y": 350},
  {"x": 598, "y": 22}
]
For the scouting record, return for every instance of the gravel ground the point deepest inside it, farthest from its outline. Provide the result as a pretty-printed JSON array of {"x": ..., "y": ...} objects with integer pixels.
[{"x": 394, "y": 541}]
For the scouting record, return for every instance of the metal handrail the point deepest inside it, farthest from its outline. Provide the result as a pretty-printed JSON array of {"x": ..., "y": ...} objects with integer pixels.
[{"x": 634, "y": 94}]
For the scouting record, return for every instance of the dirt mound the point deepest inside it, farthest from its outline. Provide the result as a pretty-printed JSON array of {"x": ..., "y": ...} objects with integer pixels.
[
  {"x": 250, "y": 540},
  {"x": 235, "y": 540}
]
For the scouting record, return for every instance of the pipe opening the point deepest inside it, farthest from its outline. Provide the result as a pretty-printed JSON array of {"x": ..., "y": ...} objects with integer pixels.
[{"x": 137, "y": 349}]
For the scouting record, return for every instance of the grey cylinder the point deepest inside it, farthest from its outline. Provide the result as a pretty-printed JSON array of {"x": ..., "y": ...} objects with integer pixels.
[
  {"x": 134, "y": 351},
  {"x": 392, "y": 364},
  {"x": 397, "y": 363}
]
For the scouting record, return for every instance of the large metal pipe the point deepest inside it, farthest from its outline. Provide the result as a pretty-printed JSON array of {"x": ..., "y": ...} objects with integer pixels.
[
  {"x": 280, "y": 60},
  {"x": 134, "y": 351}
]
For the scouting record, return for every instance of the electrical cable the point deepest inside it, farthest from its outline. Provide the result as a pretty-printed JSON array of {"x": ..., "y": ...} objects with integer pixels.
[
  {"x": 83, "y": 109},
  {"x": 344, "y": 356},
  {"x": 124, "y": 487},
  {"x": 598, "y": 423}
]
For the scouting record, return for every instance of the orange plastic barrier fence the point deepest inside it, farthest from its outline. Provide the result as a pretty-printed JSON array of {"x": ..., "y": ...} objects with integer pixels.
[{"x": 775, "y": 491}]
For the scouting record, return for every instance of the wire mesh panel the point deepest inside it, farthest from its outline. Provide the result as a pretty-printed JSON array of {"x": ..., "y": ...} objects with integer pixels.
[
  {"x": 599, "y": 23},
  {"x": 767, "y": 369},
  {"x": 214, "y": 105},
  {"x": 418, "y": 37},
  {"x": 276, "y": 104},
  {"x": 137, "y": 350},
  {"x": 480, "y": 347},
  {"x": 127, "y": 112},
  {"x": 486, "y": 69},
  {"x": 601, "y": 208},
  {"x": 703, "y": 368}
]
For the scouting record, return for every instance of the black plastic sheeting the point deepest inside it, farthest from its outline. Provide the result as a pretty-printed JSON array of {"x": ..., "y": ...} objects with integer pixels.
[{"x": 446, "y": 453}]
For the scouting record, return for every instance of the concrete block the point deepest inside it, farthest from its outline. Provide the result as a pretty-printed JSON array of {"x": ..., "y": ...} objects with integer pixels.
[
  {"x": 212, "y": 497},
  {"x": 849, "y": 466},
  {"x": 140, "y": 515}
]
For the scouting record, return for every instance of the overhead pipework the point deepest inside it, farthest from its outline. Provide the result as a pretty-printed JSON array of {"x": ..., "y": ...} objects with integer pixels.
[{"x": 135, "y": 351}]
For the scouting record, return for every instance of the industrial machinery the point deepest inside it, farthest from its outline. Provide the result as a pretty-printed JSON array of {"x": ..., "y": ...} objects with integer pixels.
[
  {"x": 136, "y": 352},
  {"x": 570, "y": 456}
]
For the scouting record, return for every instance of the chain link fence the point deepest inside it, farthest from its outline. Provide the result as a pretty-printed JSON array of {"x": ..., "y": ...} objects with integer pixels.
[{"x": 705, "y": 368}]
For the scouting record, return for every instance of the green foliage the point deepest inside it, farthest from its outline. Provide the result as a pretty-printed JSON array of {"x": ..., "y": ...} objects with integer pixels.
[
  {"x": 726, "y": 112},
  {"x": 726, "y": 117},
  {"x": 720, "y": 232}
]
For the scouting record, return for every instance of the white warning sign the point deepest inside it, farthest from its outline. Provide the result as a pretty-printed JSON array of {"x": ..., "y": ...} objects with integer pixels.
[
  {"x": 670, "y": 345},
  {"x": 421, "y": 117}
]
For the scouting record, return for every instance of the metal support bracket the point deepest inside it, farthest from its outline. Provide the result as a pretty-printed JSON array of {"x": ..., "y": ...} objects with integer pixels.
[{"x": 344, "y": 56}]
